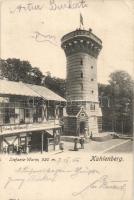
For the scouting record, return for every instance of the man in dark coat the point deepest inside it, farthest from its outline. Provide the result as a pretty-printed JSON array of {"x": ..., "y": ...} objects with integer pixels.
[{"x": 82, "y": 142}]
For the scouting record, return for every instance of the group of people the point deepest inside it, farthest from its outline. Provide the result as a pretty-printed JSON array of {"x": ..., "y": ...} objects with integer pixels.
[
  {"x": 76, "y": 141},
  {"x": 14, "y": 149}
]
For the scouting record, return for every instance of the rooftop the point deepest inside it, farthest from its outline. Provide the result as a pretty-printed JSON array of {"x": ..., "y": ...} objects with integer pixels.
[
  {"x": 45, "y": 93},
  {"x": 23, "y": 89}
]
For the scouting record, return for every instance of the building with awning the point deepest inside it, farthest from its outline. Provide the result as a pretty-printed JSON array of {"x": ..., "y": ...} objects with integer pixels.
[
  {"x": 30, "y": 117},
  {"x": 16, "y": 88},
  {"x": 45, "y": 93}
]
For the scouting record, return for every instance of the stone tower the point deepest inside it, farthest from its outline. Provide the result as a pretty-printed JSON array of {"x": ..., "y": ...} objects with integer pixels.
[{"x": 83, "y": 114}]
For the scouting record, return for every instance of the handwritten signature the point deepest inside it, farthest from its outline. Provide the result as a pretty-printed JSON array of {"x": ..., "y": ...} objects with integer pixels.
[
  {"x": 53, "y": 6},
  {"x": 27, "y": 8},
  {"x": 69, "y": 4},
  {"x": 12, "y": 180},
  {"x": 27, "y": 174},
  {"x": 73, "y": 173},
  {"x": 50, "y": 174},
  {"x": 40, "y": 37},
  {"x": 104, "y": 183},
  {"x": 19, "y": 182}
]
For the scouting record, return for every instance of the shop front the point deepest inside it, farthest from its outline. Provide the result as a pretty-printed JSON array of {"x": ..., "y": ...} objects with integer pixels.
[
  {"x": 30, "y": 138},
  {"x": 30, "y": 118}
]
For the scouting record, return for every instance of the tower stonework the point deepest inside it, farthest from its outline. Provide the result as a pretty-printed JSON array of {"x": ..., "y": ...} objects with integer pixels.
[{"x": 83, "y": 114}]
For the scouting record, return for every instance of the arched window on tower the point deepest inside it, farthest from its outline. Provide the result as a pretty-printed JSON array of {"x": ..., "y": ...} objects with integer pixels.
[
  {"x": 92, "y": 106},
  {"x": 81, "y": 74},
  {"x": 81, "y": 85},
  {"x": 81, "y": 61}
]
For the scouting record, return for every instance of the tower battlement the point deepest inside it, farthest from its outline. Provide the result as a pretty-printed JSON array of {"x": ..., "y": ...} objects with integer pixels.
[{"x": 81, "y": 41}]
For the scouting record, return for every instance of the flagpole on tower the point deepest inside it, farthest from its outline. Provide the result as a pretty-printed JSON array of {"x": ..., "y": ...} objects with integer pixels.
[{"x": 81, "y": 21}]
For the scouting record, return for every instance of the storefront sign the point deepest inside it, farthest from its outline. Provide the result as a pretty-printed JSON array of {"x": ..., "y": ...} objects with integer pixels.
[
  {"x": 13, "y": 127},
  {"x": 9, "y": 129}
]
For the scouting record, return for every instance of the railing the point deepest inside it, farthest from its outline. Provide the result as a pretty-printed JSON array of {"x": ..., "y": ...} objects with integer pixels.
[
  {"x": 16, "y": 127},
  {"x": 18, "y": 105},
  {"x": 80, "y": 33}
]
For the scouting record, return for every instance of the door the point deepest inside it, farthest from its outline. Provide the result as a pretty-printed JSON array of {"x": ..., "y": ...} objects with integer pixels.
[{"x": 82, "y": 128}]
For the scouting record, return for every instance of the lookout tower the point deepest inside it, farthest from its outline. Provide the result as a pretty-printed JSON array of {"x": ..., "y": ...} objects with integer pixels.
[{"x": 83, "y": 114}]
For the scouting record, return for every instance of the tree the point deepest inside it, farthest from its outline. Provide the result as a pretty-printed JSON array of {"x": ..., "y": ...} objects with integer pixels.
[
  {"x": 57, "y": 85},
  {"x": 121, "y": 84},
  {"x": 35, "y": 76},
  {"x": 119, "y": 92},
  {"x": 16, "y": 70}
]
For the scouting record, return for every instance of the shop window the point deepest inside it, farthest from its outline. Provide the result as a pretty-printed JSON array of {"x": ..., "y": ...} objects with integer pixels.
[
  {"x": 27, "y": 113},
  {"x": 7, "y": 116},
  {"x": 51, "y": 112},
  {"x": 1, "y": 118},
  {"x": 2, "y": 115},
  {"x": 60, "y": 112},
  {"x": 22, "y": 115},
  {"x": 35, "y": 118},
  {"x": 12, "y": 112},
  {"x": 22, "y": 140},
  {"x": 39, "y": 112}
]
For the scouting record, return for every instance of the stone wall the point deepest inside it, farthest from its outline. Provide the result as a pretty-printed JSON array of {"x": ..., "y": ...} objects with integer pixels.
[{"x": 82, "y": 78}]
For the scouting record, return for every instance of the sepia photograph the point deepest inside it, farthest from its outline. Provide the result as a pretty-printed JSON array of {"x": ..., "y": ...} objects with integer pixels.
[{"x": 66, "y": 99}]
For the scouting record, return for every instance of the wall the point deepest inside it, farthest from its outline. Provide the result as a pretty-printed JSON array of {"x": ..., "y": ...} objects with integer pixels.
[{"x": 80, "y": 88}]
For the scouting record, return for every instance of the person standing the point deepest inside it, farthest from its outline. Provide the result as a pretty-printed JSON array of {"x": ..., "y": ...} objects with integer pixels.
[
  {"x": 76, "y": 144},
  {"x": 82, "y": 142}
]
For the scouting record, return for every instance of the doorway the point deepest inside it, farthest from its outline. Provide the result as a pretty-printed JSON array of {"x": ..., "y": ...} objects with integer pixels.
[{"x": 82, "y": 127}]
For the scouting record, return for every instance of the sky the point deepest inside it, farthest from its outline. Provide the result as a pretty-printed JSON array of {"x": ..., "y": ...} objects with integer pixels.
[{"x": 34, "y": 34}]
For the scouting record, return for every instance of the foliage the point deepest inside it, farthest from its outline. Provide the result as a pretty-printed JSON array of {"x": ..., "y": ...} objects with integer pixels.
[
  {"x": 57, "y": 85},
  {"x": 17, "y": 70},
  {"x": 117, "y": 102},
  {"x": 116, "y": 98}
]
